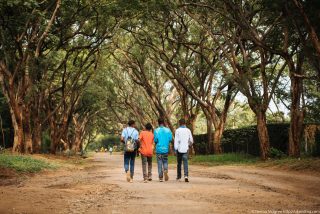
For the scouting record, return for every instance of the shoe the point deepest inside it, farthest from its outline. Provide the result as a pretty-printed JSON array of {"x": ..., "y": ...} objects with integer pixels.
[
  {"x": 161, "y": 179},
  {"x": 186, "y": 179},
  {"x": 166, "y": 177},
  {"x": 178, "y": 179},
  {"x": 128, "y": 176},
  {"x": 149, "y": 179},
  {"x": 131, "y": 180}
]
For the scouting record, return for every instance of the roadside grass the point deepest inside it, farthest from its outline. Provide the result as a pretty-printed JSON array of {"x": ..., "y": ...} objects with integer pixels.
[
  {"x": 171, "y": 159},
  {"x": 297, "y": 164},
  {"x": 304, "y": 163},
  {"x": 22, "y": 163},
  {"x": 215, "y": 160},
  {"x": 223, "y": 159}
]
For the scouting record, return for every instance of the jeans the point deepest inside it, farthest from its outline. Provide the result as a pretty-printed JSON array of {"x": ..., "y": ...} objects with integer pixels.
[
  {"x": 146, "y": 160},
  {"x": 129, "y": 158},
  {"x": 162, "y": 160},
  {"x": 182, "y": 157}
]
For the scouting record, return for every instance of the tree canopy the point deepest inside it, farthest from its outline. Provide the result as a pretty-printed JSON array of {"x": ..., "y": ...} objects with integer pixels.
[{"x": 74, "y": 69}]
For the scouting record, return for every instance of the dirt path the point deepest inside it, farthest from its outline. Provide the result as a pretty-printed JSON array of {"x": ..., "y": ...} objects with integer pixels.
[{"x": 101, "y": 188}]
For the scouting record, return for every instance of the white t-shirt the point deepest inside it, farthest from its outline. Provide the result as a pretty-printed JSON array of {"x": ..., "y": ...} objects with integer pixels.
[{"x": 183, "y": 139}]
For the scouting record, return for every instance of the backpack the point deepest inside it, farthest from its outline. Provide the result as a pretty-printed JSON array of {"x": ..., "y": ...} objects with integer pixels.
[{"x": 130, "y": 144}]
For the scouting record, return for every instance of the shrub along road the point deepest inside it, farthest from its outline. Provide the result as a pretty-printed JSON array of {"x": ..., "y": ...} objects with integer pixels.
[{"x": 100, "y": 187}]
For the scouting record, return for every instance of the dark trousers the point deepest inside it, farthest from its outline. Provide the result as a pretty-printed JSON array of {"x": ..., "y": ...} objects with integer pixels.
[
  {"x": 146, "y": 160},
  {"x": 129, "y": 158},
  {"x": 182, "y": 157}
]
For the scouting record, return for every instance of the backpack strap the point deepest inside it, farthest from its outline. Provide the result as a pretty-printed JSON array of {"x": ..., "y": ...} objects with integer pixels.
[{"x": 128, "y": 133}]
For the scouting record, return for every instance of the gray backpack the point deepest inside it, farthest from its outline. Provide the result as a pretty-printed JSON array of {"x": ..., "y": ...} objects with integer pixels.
[{"x": 130, "y": 144}]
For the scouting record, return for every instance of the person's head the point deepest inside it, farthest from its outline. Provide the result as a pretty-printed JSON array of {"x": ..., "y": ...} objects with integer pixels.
[
  {"x": 131, "y": 123},
  {"x": 161, "y": 122},
  {"x": 182, "y": 122},
  {"x": 148, "y": 126}
]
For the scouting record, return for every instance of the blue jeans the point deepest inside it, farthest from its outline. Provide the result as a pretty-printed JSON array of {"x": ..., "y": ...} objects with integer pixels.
[
  {"x": 182, "y": 157},
  {"x": 129, "y": 158},
  {"x": 162, "y": 160}
]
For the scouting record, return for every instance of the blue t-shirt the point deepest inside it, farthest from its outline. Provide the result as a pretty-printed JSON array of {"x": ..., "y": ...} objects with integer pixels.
[
  {"x": 162, "y": 138},
  {"x": 130, "y": 132}
]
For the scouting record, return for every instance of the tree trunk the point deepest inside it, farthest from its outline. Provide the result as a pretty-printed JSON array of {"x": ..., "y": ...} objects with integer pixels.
[
  {"x": 16, "y": 117},
  {"x": 296, "y": 123},
  {"x": 37, "y": 134},
  {"x": 77, "y": 144},
  {"x": 263, "y": 134},
  {"x": 54, "y": 143},
  {"x": 209, "y": 136},
  {"x": 217, "y": 139},
  {"x": 15, "y": 113},
  {"x": 18, "y": 144},
  {"x": 27, "y": 131},
  {"x": 54, "y": 138},
  {"x": 2, "y": 133},
  {"x": 191, "y": 122}
]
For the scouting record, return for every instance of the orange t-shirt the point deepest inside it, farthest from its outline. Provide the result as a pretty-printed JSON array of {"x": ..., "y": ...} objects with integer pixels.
[{"x": 146, "y": 143}]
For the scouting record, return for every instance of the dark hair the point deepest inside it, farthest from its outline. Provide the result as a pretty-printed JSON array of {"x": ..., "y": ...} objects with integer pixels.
[
  {"x": 182, "y": 122},
  {"x": 161, "y": 121},
  {"x": 131, "y": 122},
  {"x": 149, "y": 126}
]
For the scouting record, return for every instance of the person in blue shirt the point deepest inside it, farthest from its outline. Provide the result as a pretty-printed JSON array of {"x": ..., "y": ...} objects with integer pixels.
[
  {"x": 129, "y": 157},
  {"x": 162, "y": 139}
]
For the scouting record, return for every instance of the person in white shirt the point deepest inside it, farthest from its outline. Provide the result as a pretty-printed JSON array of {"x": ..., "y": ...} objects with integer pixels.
[{"x": 182, "y": 142}]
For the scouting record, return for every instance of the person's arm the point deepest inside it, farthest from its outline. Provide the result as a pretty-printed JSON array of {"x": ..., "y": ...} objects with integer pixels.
[
  {"x": 170, "y": 135},
  {"x": 155, "y": 137},
  {"x": 190, "y": 138},
  {"x": 136, "y": 136},
  {"x": 176, "y": 141}
]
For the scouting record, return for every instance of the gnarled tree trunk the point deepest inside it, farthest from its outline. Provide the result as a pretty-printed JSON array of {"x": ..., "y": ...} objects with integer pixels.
[
  {"x": 36, "y": 136},
  {"x": 296, "y": 123},
  {"x": 263, "y": 134}
]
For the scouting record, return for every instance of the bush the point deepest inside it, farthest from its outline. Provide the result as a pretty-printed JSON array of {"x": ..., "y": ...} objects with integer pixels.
[
  {"x": 276, "y": 153},
  {"x": 246, "y": 140}
]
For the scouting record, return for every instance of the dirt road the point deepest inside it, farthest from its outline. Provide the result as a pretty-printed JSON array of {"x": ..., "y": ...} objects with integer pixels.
[{"x": 102, "y": 188}]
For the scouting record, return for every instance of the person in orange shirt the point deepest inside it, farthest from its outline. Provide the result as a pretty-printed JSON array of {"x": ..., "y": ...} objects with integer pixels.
[{"x": 146, "y": 151}]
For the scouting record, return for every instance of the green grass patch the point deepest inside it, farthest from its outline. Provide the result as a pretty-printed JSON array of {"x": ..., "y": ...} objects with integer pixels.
[
  {"x": 21, "y": 163},
  {"x": 171, "y": 159},
  {"x": 223, "y": 159}
]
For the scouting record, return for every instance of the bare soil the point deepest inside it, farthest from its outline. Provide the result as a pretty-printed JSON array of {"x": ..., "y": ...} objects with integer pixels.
[{"x": 101, "y": 188}]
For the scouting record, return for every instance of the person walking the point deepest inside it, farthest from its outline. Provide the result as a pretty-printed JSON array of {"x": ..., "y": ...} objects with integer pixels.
[
  {"x": 111, "y": 150},
  {"x": 130, "y": 138},
  {"x": 183, "y": 140},
  {"x": 162, "y": 139},
  {"x": 146, "y": 150}
]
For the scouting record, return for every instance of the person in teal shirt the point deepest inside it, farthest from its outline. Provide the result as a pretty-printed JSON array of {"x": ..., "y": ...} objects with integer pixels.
[{"x": 162, "y": 139}]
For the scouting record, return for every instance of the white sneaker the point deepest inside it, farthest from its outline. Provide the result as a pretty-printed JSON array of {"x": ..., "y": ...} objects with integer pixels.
[{"x": 186, "y": 179}]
